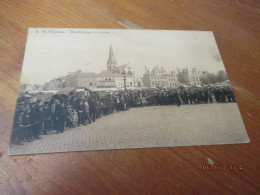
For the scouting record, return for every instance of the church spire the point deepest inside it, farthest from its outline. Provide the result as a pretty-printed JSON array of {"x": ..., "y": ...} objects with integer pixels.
[{"x": 111, "y": 62}]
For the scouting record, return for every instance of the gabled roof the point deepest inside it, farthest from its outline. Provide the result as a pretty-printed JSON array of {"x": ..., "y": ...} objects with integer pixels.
[{"x": 86, "y": 75}]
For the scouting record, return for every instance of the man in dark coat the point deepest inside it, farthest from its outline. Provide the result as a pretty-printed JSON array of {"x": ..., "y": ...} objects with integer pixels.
[
  {"x": 195, "y": 96},
  {"x": 27, "y": 125},
  {"x": 58, "y": 116},
  {"x": 81, "y": 112},
  {"x": 177, "y": 97},
  {"x": 37, "y": 118},
  {"x": 93, "y": 108},
  {"x": 46, "y": 117},
  {"x": 17, "y": 133},
  {"x": 190, "y": 96},
  {"x": 184, "y": 96},
  {"x": 64, "y": 115},
  {"x": 223, "y": 95},
  {"x": 216, "y": 93}
]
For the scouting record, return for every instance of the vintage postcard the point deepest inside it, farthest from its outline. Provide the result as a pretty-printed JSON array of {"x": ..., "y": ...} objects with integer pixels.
[{"x": 99, "y": 89}]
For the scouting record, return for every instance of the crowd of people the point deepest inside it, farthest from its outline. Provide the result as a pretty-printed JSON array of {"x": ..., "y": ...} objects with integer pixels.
[{"x": 35, "y": 118}]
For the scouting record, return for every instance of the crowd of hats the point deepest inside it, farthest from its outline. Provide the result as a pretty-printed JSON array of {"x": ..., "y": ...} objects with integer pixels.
[{"x": 38, "y": 114}]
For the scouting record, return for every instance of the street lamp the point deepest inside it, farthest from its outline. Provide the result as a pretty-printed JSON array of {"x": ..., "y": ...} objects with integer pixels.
[{"x": 124, "y": 75}]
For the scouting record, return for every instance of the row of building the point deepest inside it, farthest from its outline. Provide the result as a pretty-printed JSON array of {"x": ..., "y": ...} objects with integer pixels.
[
  {"x": 118, "y": 76},
  {"x": 158, "y": 76},
  {"x": 110, "y": 78}
]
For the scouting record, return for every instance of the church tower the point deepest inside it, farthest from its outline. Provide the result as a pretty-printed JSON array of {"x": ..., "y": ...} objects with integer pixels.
[{"x": 111, "y": 62}]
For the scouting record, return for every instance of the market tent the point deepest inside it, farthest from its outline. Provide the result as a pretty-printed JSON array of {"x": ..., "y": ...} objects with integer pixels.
[
  {"x": 80, "y": 90},
  {"x": 104, "y": 89},
  {"x": 23, "y": 98},
  {"x": 183, "y": 86},
  {"x": 91, "y": 89},
  {"x": 43, "y": 97},
  {"x": 227, "y": 81}
]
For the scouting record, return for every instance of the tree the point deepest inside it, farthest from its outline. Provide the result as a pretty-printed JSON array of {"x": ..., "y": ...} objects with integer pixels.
[
  {"x": 221, "y": 76},
  {"x": 211, "y": 78},
  {"x": 208, "y": 78}
]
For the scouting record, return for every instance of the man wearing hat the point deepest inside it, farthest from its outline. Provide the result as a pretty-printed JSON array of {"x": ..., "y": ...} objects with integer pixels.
[
  {"x": 87, "y": 116},
  {"x": 46, "y": 117},
  {"x": 27, "y": 124},
  {"x": 93, "y": 108},
  {"x": 57, "y": 116},
  {"x": 36, "y": 116},
  {"x": 16, "y": 136},
  {"x": 81, "y": 112}
]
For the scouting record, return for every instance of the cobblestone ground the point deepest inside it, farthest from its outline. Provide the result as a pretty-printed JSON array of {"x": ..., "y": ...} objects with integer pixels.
[{"x": 155, "y": 126}]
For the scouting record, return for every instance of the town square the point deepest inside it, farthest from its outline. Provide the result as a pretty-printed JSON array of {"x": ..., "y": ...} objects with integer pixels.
[{"x": 124, "y": 105}]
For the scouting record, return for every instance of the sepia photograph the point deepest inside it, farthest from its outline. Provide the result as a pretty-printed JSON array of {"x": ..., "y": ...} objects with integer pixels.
[{"x": 100, "y": 89}]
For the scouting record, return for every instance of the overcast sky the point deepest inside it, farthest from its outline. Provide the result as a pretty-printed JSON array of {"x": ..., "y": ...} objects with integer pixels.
[{"x": 56, "y": 52}]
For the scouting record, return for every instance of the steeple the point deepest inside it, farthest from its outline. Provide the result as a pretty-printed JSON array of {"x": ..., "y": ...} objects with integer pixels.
[{"x": 111, "y": 62}]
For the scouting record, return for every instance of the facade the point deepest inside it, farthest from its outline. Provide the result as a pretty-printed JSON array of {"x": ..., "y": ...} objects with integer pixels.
[
  {"x": 60, "y": 82},
  {"x": 55, "y": 84},
  {"x": 190, "y": 76},
  {"x": 82, "y": 80},
  {"x": 114, "y": 80},
  {"x": 173, "y": 80},
  {"x": 158, "y": 77}
]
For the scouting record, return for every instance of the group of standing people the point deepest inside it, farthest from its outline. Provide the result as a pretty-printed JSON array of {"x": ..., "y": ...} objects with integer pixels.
[{"x": 33, "y": 119}]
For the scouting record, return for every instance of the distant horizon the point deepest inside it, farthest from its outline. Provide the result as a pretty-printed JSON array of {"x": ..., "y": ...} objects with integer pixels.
[{"x": 50, "y": 54}]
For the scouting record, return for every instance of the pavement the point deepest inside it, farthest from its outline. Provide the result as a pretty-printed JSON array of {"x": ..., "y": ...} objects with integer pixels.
[{"x": 153, "y": 126}]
